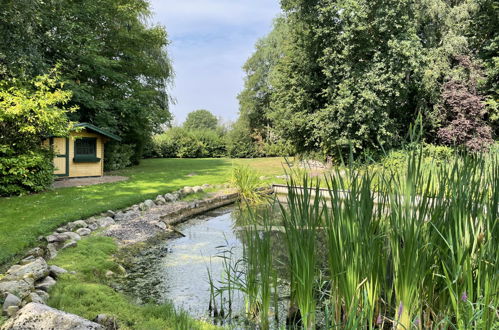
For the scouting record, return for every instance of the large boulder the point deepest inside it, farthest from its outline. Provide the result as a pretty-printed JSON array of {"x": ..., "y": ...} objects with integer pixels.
[
  {"x": 20, "y": 288},
  {"x": 37, "y": 269},
  {"x": 36, "y": 316}
]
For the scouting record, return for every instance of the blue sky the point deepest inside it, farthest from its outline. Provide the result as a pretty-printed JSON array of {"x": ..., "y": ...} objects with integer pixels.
[{"x": 210, "y": 41}]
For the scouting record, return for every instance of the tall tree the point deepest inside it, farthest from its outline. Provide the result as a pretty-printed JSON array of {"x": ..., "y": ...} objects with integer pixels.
[{"x": 112, "y": 60}]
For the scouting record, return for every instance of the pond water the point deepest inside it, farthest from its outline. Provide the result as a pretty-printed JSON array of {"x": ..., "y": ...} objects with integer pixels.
[{"x": 177, "y": 270}]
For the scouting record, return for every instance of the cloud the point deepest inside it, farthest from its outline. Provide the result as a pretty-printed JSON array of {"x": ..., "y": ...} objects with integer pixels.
[{"x": 211, "y": 40}]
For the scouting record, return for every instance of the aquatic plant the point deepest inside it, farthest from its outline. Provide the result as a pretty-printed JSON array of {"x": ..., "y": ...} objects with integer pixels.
[
  {"x": 247, "y": 182},
  {"x": 413, "y": 248}
]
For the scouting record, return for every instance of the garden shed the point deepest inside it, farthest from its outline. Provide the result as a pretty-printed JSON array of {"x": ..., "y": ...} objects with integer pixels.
[{"x": 81, "y": 154}]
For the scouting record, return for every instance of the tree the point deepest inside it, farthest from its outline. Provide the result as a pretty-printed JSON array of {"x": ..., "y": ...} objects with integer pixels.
[
  {"x": 201, "y": 119},
  {"x": 112, "y": 60},
  {"x": 354, "y": 74},
  {"x": 463, "y": 110}
]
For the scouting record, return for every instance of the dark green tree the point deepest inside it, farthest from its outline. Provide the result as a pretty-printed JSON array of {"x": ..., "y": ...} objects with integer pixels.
[
  {"x": 113, "y": 61},
  {"x": 201, "y": 119}
]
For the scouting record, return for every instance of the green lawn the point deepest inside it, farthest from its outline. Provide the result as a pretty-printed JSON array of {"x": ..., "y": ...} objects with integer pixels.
[{"x": 23, "y": 219}]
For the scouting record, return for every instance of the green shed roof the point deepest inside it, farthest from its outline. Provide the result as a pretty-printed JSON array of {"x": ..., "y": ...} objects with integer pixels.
[{"x": 98, "y": 130}]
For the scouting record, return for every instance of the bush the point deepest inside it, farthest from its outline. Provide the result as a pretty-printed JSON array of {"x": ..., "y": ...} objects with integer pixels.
[
  {"x": 240, "y": 144},
  {"x": 25, "y": 173},
  {"x": 179, "y": 142},
  {"x": 117, "y": 156}
]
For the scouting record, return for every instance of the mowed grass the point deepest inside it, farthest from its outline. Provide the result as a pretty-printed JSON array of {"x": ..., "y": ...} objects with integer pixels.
[{"x": 23, "y": 219}]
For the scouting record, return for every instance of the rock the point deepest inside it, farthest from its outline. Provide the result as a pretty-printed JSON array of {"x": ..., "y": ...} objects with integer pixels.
[
  {"x": 57, "y": 237},
  {"x": 109, "y": 274},
  {"x": 12, "y": 310},
  {"x": 38, "y": 316},
  {"x": 130, "y": 215},
  {"x": 27, "y": 260},
  {"x": 38, "y": 268},
  {"x": 56, "y": 271},
  {"x": 108, "y": 322},
  {"x": 197, "y": 189},
  {"x": 36, "y": 252},
  {"x": 72, "y": 226},
  {"x": 42, "y": 294},
  {"x": 142, "y": 207},
  {"x": 160, "y": 200},
  {"x": 186, "y": 191},
  {"x": 206, "y": 186},
  {"x": 61, "y": 229},
  {"x": 36, "y": 298},
  {"x": 170, "y": 198},
  {"x": 45, "y": 284},
  {"x": 109, "y": 213},
  {"x": 70, "y": 244},
  {"x": 119, "y": 216},
  {"x": 93, "y": 226},
  {"x": 72, "y": 236},
  {"x": 83, "y": 231},
  {"x": 160, "y": 224},
  {"x": 20, "y": 288},
  {"x": 11, "y": 300},
  {"x": 149, "y": 203},
  {"x": 105, "y": 222},
  {"x": 51, "y": 251}
]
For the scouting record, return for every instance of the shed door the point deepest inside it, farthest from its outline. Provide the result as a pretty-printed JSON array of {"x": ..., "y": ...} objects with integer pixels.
[{"x": 61, "y": 160}]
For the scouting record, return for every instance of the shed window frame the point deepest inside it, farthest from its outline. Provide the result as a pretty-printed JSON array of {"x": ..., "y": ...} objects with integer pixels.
[{"x": 85, "y": 152}]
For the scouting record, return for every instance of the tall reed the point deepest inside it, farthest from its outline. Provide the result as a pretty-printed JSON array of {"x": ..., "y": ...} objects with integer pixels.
[
  {"x": 301, "y": 218},
  {"x": 413, "y": 248}
]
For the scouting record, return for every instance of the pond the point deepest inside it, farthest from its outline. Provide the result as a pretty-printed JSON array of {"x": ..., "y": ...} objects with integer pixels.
[{"x": 177, "y": 270}]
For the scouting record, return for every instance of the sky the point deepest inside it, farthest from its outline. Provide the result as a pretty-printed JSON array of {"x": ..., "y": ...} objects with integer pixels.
[{"x": 210, "y": 42}]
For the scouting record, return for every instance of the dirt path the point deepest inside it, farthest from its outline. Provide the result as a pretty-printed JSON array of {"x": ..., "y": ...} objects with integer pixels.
[{"x": 78, "y": 182}]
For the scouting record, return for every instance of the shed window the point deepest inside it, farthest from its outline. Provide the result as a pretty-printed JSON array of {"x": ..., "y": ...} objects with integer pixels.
[{"x": 86, "y": 150}]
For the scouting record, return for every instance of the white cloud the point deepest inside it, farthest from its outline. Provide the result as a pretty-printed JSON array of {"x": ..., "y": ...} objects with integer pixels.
[{"x": 211, "y": 40}]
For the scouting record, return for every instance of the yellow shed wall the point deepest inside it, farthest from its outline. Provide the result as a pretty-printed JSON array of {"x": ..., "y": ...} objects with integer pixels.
[{"x": 86, "y": 169}]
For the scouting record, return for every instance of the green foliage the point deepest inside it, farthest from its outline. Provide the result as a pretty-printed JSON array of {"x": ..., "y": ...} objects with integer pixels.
[
  {"x": 201, "y": 119},
  {"x": 30, "y": 113},
  {"x": 33, "y": 111},
  {"x": 410, "y": 254},
  {"x": 117, "y": 156},
  {"x": 246, "y": 181},
  {"x": 87, "y": 293},
  {"x": 240, "y": 143},
  {"x": 351, "y": 76},
  {"x": 178, "y": 142},
  {"x": 113, "y": 61},
  {"x": 31, "y": 171}
]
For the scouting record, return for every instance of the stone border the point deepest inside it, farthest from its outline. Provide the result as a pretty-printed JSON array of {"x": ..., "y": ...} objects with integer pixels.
[{"x": 30, "y": 280}]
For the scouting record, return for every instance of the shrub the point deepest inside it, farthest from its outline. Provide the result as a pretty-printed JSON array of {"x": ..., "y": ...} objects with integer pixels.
[
  {"x": 213, "y": 143},
  {"x": 179, "y": 142},
  {"x": 117, "y": 156},
  {"x": 21, "y": 174},
  {"x": 240, "y": 144}
]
